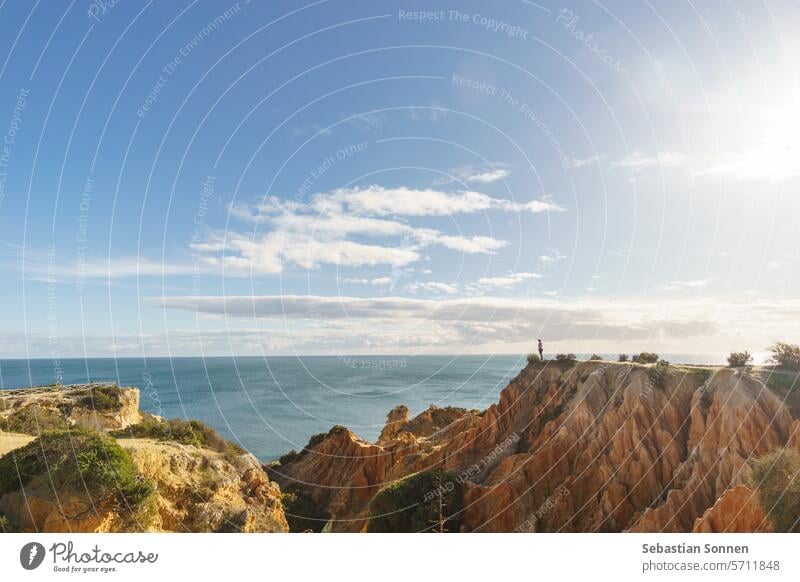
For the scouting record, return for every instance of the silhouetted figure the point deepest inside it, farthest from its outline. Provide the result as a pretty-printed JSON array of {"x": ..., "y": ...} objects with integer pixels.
[{"x": 541, "y": 350}]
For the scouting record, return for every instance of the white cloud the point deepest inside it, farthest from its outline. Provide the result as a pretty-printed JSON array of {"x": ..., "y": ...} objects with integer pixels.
[
  {"x": 638, "y": 161},
  {"x": 434, "y": 286},
  {"x": 320, "y": 232},
  {"x": 681, "y": 284},
  {"x": 551, "y": 257},
  {"x": 610, "y": 323},
  {"x": 485, "y": 174},
  {"x": 575, "y": 163},
  {"x": 402, "y": 201},
  {"x": 507, "y": 281},
  {"x": 378, "y": 281}
]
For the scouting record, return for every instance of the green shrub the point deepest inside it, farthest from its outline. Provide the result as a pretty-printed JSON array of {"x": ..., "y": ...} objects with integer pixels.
[
  {"x": 427, "y": 501},
  {"x": 645, "y": 358},
  {"x": 102, "y": 398},
  {"x": 623, "y": 358},
  {"x": 186, "y": 432},
  {"x": 739, "y": 359},
  {"x": 658, "y": 373},
  {"x": 302, "y": 514},
  {"x": 33, "y": 420},
  {"x": 80, "y": 460},
  {"x": 570, "y": 357},
  {"x": 785, "y": 355},
  {"x": 533, "y": 358},
  {"x": 594, "y": 357},
  {"x": 5, "y": 525},
  {"x": 776, "y": 478},
  {"x": 288, "y": 457}
]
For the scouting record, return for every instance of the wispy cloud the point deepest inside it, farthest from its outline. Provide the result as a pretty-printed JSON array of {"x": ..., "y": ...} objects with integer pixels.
[
  {"x": 396, "y": 323},
  {"x": 473, "y": 174},
  {"x": 575, "y": 163},
  {"x": 681, "y": 284},
  {"x": 434, "y": 286},
  {"x": 507, "y": 281},
  {"x": 551, "y": 257},
  {"x": 637, "y": 161},
  {"x": 320, "y": 231},
  {"x": 378, "y": 281}
]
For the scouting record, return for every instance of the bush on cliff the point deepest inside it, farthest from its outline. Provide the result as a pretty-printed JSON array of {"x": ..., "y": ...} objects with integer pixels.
[
  {"x": 739, "y": 359},
  {"x": 776, "y": 478},
  {"x": 534, "y": 358},
  {"x": 594, "y": 358},
  {"x": 79, "y": 460},
  {"x": 102, "y": 398},
  {"x": 430, "y": 501},
  {"x": 186, "y": 432},
  {"x": 33, "y": 420},
  {"x": 570, "y": 357},
  {"x": 302, "y": 514},
  {"x": 658, "y": 373},
  {"x": 645, "y": 358},
  {"x": 623, "y": 358},
  {"x": 785, "y": 355}
]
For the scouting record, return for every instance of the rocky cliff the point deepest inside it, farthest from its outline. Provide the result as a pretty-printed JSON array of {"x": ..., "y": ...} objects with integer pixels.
[
  {"x": 582, "y": 447},
  {"x": 87, "y": 460}
]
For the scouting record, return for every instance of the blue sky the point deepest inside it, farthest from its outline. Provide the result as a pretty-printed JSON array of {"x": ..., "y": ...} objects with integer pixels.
[{"x": 408, "y": 177}]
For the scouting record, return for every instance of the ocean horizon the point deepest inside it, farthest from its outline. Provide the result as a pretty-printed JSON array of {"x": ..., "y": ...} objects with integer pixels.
[{"x": 273, "y": 405}]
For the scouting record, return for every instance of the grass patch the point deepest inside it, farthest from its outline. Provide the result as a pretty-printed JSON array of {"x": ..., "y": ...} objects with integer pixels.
[
  {"x": 785, "y": 385},
  {"x": 186, "y": 432},
  {"x": 77, "y": 460},
  {"x": 34, "y": 420},
  {"x": 427, "y": 501}
]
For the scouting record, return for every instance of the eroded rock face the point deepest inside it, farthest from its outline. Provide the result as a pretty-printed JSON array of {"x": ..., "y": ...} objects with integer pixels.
[
  {"x": 39, "y": 409},
  {"x": 594, "y": 446},
  {"x": 736, "y": 511},
  {"x": 203, "y": 491}
]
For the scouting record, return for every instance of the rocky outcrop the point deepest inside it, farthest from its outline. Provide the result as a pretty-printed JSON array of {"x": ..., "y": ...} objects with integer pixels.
[
  {"x": 203, "y": 491},
  {"x": 76, "y": 477},
  {"x": 594, "y": 446},
  {"x": 737, "y": 511},
  {"x": 95, "y": 406}
]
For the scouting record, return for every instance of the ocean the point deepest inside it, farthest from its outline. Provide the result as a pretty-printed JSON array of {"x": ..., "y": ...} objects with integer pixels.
[{"x": 272, "y": 405}]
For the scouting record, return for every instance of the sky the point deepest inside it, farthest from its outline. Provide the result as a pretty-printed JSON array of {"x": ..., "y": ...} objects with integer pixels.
[{"x": 354, "y": 177}]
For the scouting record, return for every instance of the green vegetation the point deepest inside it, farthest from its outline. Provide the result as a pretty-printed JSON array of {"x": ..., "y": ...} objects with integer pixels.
[
  {"x": 785, "y": 385},
  {"x": 427, "y": 501},
  {"x": 33, "y": 420},
  {"x": 776, "y": 478},
  {"x": 623, "y": 358},
  {"x": 645, "y": 358},
  {"x": 288, "y": 457},
  {"x": 80, "y": 460},
  {"x": 594, "y": 357},
  {"x": 739, "y": 359},
  {"x": 533, "y": 358},
  {"x": 658, "y": 373},
  {"x": 5, "y": 525},
  {"x": 102, "y": 398},
  {"x": 302, "y": 514},
  {"x": 187, "y": 432},
  {"x": 570, "y": 357},
  {"x": 785, "y": 355}
]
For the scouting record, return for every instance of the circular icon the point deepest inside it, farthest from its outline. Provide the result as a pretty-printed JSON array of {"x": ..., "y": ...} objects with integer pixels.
[{"x": 31, "y": 555}]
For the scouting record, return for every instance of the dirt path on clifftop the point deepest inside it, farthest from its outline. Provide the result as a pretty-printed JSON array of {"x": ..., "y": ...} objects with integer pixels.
[{"x": 13, "y": 440}]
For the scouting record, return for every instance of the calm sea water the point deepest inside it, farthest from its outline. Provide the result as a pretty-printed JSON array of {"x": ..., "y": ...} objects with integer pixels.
[{"x": 272, "y": 405}]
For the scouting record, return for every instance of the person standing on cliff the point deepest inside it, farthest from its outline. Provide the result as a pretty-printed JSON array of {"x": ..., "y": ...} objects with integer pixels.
[{"x": 541, "y": 350}]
